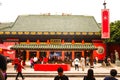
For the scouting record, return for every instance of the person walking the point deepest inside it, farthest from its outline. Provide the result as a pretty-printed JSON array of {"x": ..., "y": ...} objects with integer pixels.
[
  {"x": 19, "y": 70},
  {"x": 35, "y": 59},
  {"x": 113, "y": 73},
  {"x": 116, "y": 55},
  {"x": 87, "y": 61},
  {"x": 60, "y": 75},
  {"x": 31, "y": 62},
  {"x": 90, "y": 75},
  {"x": 15, "y": 62},
  {"x": 109, "y": 62},
  {"x": 76, "y": 63},
  {"x": 82, "y": 63}
]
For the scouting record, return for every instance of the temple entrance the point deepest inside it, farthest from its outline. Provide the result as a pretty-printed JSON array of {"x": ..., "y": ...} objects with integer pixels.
[
  {"x": 68, "y": 56},
  {"x": 78, "y": 54},
  {"x": 55, "y": 57},
  {"x": 32, "y": 54},
  {"x": 42, "y": 54},
  {"x": 87, "y": 53}
]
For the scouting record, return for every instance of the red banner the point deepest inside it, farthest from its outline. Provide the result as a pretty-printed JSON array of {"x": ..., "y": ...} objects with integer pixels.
[{"x": 105, "y": 24}]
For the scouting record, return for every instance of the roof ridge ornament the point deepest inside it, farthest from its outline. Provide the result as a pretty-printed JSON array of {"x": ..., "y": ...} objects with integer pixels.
[{"x": 104, "y": 4}]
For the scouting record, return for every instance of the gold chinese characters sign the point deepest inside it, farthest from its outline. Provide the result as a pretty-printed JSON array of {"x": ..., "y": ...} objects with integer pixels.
[{"x": 55, "y": 41}]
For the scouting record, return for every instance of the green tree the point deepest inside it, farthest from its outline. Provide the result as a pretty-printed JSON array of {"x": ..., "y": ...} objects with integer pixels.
[{"x": 114, "y": 32}]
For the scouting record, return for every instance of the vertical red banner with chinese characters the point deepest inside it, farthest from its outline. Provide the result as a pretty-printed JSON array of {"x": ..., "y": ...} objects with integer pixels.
[{"x": 105, "y": 24}]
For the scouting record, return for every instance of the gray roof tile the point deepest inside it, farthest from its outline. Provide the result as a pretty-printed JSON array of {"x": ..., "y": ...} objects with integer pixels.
[{"x": 55, "y": 23}]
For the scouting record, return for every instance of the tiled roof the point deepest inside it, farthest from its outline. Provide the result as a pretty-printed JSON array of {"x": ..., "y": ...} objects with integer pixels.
[
  {"x": 54, "y": 47},
  {"x": 55, "y": 23},
  {"x": 5, "y": 25}
]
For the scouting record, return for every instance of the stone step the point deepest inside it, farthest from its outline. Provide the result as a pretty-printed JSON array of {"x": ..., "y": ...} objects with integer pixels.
[{"x": 53, "y": 74}]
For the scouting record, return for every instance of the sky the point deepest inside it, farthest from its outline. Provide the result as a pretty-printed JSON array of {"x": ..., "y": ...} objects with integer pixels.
[{"x": 11, "y": 9}]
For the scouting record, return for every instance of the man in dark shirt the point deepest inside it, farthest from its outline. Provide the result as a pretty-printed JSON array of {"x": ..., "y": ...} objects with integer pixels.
[
  {"x": 113, "y": 73},
  {"x": 60, "y": 75}
]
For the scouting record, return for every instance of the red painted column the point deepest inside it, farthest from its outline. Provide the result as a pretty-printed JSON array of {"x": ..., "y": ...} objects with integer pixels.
[
  {"x": 91, "y": 59},
  {"x": 27, "y": 55},
  {"x": 48, "y": 54},
  {"x": 73, "y": 42},
  {"x": 63, "y": 55},
  {"x": 83, "y": 53},
  {"x": 63, "y": 41},
  {"x": 73, "y": 55},
  {"x": 38, "y": 54},
  {"x": 83, "y": 42},
  {"x": 48, "y": 42}
]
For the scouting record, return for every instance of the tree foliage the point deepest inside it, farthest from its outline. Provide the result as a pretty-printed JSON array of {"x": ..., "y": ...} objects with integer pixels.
[{"x": 114, "y": 32}]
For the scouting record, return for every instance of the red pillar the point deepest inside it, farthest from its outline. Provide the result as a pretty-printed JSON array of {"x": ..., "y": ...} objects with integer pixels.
[
  {"x": 27, "y": 55},
  {"x": 48, "y": 42},
  {"x": 63, "y": 55},
  {"x": 83, "y": 41},
  {"x": 63, "y": 41},
  {"x": 73, "y": 42},
  {"x": 91, "y": 59},
  {"x": 48, "y": 53},
  {"x": 83, "y": 50},
  {"x": 73, "y": 55},
  {"x": 38, "y": 54},
  {"x": 83, "y": 53}
]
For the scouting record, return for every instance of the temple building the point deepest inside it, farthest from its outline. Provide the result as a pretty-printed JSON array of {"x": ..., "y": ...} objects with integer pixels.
[{"x": 65, "y": 36}]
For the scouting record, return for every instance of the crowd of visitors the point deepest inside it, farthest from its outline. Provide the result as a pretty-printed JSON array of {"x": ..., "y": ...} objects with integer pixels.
[
  {"x": 18, "y": 66},
  {"x": 60, "y": 76},
  {"x": 89, "y": 76}
]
